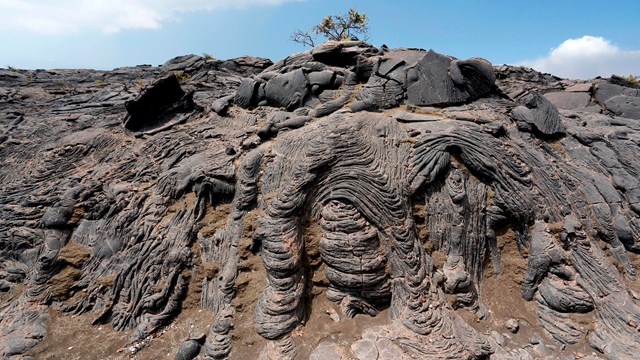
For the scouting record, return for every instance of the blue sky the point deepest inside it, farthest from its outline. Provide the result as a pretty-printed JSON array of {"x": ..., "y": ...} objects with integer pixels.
[{"x": 570, "y": 38}]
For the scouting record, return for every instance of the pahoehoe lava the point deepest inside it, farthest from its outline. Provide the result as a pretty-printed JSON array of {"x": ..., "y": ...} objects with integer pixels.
[{"x": 393, "y": 155}]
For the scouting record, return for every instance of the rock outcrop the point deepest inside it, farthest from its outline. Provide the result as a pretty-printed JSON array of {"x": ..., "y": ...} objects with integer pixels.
[{"x": 385, "y": 180}]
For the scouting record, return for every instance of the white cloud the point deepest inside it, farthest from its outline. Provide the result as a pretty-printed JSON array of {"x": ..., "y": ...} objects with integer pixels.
[
  {"x": 587, "y": 57},
  {"x": 68, "y": 16}
]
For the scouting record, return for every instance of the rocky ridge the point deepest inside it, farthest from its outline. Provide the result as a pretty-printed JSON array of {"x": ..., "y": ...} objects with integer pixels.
[{"x": 391, "y": 182}]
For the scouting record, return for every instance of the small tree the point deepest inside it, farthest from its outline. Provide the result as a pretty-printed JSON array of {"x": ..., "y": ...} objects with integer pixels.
[{"x": 335, "y": 27}]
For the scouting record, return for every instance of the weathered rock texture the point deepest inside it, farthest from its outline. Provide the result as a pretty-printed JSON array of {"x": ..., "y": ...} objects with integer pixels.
[{"x": 109, "y": 180}]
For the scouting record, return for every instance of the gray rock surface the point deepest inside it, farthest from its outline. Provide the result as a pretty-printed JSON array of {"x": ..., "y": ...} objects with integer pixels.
[
  {"x": 624, "y": 106},
  {"x": 538, "y": 112},
  {"x": 568, "y": 100},
  {"x": 442, "y": 80},
  {"x": 159, "y": 106},
  {"x": 287, "y": 90}
]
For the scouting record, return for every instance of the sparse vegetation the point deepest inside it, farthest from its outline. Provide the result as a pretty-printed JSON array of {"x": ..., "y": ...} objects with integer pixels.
[
  {"x": 181, "y": 75},
  {"x": 139, "y": 84},
  {"x": 632, "y": 79},
  {"x": 99, "y": 82},
  {"x": 207, "y": 56},
  {"x": 336, "y": 27},
  {"x": 9, "y": 67}
]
